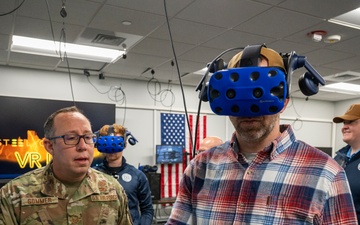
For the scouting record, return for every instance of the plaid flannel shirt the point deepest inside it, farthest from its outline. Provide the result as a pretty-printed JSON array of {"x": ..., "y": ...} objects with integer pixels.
[{"x": 288, "y": 182}]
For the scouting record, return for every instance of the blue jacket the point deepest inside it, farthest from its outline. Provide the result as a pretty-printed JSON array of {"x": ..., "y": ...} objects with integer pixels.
[
  {"x": 137, "y": 189},
  {"x": 352, "y": 170}
]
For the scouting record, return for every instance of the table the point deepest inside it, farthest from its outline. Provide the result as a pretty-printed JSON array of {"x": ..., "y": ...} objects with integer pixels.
[{"x": 158, "y": 203}]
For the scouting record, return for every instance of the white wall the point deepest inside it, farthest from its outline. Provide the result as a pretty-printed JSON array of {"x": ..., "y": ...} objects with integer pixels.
[{"x": 312, "y": 120}]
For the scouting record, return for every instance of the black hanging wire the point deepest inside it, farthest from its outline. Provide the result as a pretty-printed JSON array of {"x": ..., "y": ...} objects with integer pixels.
[
  {"x": 123, "y": 101},
  {"x": 63, "y": 40},
  {"x": 16, "y": 8},
  {"x": 51, "y": 27},
  {"x": 165, "y": 93},
  {"x": 178, "y": 70},
  {"x": 105, "y": 92},
  {"x": 63, "y": 35},
  {"x": 70, "y": 79},
  {"x": 62, "y": 43},
  {"x": 157, "y": 86},
  {"x": 159, "y": 94},
  {"x": 114, "y": 93},
  {"x": 117, "y": 94}
]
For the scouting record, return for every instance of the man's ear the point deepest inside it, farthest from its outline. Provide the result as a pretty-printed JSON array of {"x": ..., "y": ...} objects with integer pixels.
[
  {"x": 49, "y": 146},
  {"x": 285, "y": 104}
]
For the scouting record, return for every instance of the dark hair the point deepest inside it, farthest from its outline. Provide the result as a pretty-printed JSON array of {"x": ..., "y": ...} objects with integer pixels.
[{"x": 49, "y": 123}]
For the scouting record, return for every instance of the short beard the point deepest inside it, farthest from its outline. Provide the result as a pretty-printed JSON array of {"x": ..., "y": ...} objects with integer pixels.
[
  {"x": 251, "y": 135},
  {"x": 257, "y": 133}
]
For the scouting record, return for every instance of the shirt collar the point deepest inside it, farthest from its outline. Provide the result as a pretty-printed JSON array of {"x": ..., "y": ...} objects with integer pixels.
[
  {"x": 349, "y": 155},
  {"x": 277, "y": 146}
]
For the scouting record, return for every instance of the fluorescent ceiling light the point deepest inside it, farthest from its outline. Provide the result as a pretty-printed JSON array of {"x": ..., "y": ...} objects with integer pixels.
[
  {"x": 349, "y": 19},
  {"x": 50, "y": 48},
  {"x": 344, "y": 23},
  {"x": 202, "y": 71},
  {"x": 342, "y": 88}
]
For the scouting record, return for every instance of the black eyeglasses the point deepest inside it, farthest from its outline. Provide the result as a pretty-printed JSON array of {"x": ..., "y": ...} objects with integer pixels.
[{"x": 74, "y": 139}]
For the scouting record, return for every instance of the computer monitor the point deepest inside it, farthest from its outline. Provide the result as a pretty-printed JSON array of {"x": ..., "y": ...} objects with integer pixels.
[{"x": 169, "y": 154}]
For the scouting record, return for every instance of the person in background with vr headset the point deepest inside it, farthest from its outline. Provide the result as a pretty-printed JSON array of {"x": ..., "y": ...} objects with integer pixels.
[
  {"x": 209, "y": 142},
  {"x": 263, "y": 175},
  {"x": 67, "y": 190},
  {"x": 349, "y": 156},
  {"x": 134, "y": 181}
]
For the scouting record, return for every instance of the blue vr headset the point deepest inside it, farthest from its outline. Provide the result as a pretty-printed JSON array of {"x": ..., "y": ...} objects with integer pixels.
[
  {"x": 251, "y": 90},
  {"x": 111, "y": 143}
]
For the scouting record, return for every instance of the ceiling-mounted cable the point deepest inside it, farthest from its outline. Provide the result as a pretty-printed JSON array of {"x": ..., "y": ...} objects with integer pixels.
[
  {"x": 298, "y": 118},
  {"x": 16, "y": 8},
  {"x": 114, "y": 93},
  {"x": 64, "y": 56},
  {"x": 63, "y": 40},
  {"x": 62, "y": 44},
  {"x": 51, "y": 26},
  {"x": 159, "y": 94},
  {"x": 165, "y": 93},
  {"x": 120, "y": 93},
  {"x": 70, "y": 79},
  {"x": 157, "y": 85},
  {"x": 178, "y": 72}
]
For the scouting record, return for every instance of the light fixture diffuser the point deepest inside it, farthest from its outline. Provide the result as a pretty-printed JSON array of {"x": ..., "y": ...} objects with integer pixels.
[
  {"x": 344, "y": 23},
  {"x": 342, "y": 88},
  {"x": 53, "y": 49},
  {"x": 348, "y": 19},
  {"x": 201, "y": 72}
]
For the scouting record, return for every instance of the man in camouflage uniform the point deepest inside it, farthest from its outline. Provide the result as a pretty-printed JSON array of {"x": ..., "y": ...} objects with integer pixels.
[{"x": 66, "y": 191}]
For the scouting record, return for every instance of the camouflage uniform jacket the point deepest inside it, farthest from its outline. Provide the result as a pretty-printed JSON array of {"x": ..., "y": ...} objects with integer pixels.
[{"x": 37, "y": 197}]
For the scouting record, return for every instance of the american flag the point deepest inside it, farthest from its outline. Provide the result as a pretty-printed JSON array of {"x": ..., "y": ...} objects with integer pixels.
[{"x": 174, "y": 132}]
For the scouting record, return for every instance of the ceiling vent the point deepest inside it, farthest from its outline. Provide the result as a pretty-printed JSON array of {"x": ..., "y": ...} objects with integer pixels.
[
  {"x": 104, "y": 39},
  {"x": 107, "y": 39},
  {"x": 343, "y": 77}
]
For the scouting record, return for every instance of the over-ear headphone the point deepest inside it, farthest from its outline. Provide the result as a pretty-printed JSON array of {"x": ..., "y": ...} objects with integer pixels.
[
  {"x": 308, "y": 84},
  {"x": 310, "y": 80},
  {"x": 111, "y": 143},
  {"x": 250, "y": 90},
  {"x": 131, "y": 139}
]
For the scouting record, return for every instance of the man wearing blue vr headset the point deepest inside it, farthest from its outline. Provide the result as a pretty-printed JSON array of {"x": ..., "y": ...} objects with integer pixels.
[
  {"x": 263, "y": 175},
  {"x": 133, "y": 180}
]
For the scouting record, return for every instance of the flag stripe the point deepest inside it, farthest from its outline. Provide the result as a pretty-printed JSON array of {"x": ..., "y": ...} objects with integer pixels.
[
  {"x": 170, "y": 166},
  {"x": 173, "y": 132},
  {"x": 204, "y": 126},
  {"x": 197, "y": 134},
  {"x": 177, "y": 178},
  {"x": 190, "y": 149},
  {"x": 162, "y": 181}
]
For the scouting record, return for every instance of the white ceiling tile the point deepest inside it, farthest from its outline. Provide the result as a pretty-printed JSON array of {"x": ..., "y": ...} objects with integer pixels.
[{"x": 201, "y": 30}]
